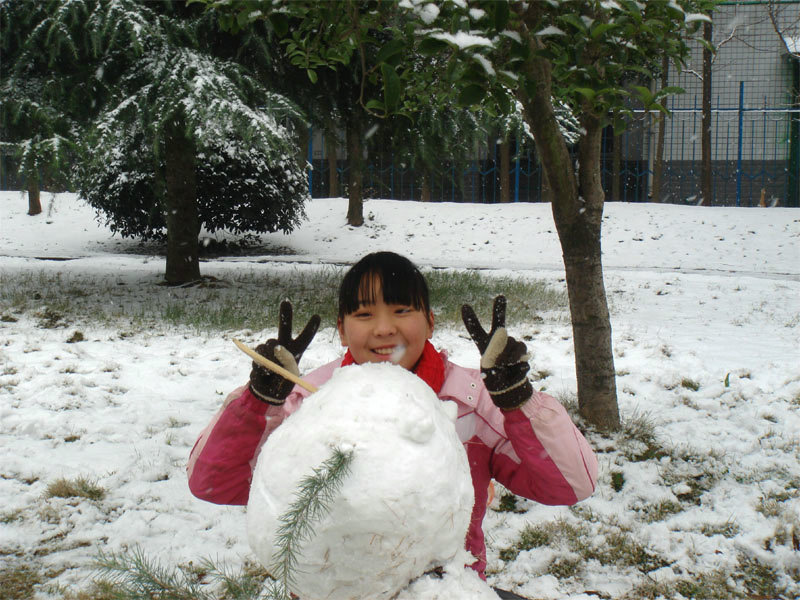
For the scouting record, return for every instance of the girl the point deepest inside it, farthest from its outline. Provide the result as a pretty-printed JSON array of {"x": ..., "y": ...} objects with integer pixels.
[{"x": 523, "y": 439}]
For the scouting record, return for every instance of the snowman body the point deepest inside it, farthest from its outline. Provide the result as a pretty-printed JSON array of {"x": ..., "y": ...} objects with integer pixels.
[{"x": 403, "y": 508}]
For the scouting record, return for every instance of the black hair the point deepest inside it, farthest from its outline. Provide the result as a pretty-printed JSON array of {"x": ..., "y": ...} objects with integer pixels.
[{"x": 401, "y": 283}]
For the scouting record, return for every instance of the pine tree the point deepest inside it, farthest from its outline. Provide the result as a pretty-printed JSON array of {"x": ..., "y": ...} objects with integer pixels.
[
  {"x": 176, "y": 134},
  {"x": 43, "y": 72}
]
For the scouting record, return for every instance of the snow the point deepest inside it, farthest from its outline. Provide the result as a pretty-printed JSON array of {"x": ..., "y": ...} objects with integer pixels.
[
  {"x": 705, "y": 308},
  {"x": 397, "y": 529},
  {"x": 462, "y": 39}
]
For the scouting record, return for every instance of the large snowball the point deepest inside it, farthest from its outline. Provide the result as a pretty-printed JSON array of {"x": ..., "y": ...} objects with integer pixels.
[{"x": 403, "y": 509}]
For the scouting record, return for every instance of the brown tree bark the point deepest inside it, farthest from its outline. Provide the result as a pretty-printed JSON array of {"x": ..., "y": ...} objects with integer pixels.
[
  {"x": 180, "y": 203},
  {"x": 577, "y": 211},
  {"x": 706, "y": 188},
  {"x": 34, "y": 197},
  {"x": 616, "y": 169},
  {"x": 425, "y": 191},
  {"x": 302, "y": 146},
  {"x": 355, "y": 162},
  {"x": 505, "y": 170},
  {"x": 658, "y": 161}
]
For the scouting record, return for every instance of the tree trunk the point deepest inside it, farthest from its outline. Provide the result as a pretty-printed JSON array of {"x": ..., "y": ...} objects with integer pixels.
[
  {"x": 658, "y": 163},
  {"x": 355, "y": 161},
  {"x": 425, "y": 192},
  {"x": 580, "y": 236},
  {"x": 303, "y": 137},
  {"x": 706, "y": 189},
  {"x": 578, "y": 210},
  {"x": 34, "y": 197},
  {"x": 180, "y": 203},
  {"x": 333, "y": 160},
  {"x": 616, "y": 169},
  {"x": 505, "y": 170}
]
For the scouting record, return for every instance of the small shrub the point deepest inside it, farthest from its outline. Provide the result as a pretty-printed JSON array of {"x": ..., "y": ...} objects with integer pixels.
[{"x": 75, "y": 488}]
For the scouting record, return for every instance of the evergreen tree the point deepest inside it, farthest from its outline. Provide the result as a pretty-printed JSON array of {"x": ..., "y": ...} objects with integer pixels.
[
  {"x": 179, "y": 138},
  {"x": 45, "y": 79}
]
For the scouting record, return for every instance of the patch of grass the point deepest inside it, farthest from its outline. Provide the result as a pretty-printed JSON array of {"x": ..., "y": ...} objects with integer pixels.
[
  {"x": 652, "y": 513},
  {"x": 638, "y": 439},
  {"x": 565, "y": 567},
  {"x": 11, "y": 516},
  {"x": 711, "y": 585},
  {"x": 531, "y": 536},
  {"x": 49, "y": 318},
  {"x": 526, "y": 299},
  {"x": 690, "y": 384},
  {"x": 98, "y": 590},
  {"x": 80, "y": 487},
  {"x": 249, "y": 300},
  {"x": 728, "y": 529},
  {"x": 758, "y": 579},
  {"x": 621, "y": 548},
  {"x": 18, "y": 582},
  {"x": 696, "y": 471},
  {"x": 617, "y": 480},
  {"x": 77, "y": 336},
  {"x": 508, "y": 503}
]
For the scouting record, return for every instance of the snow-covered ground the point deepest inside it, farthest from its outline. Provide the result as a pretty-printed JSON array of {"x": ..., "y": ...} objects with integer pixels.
[{"x": 706, "y": 313}]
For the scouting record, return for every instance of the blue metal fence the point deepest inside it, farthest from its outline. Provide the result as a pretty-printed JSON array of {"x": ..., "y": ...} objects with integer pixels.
[{"x": 754, "y": 150}]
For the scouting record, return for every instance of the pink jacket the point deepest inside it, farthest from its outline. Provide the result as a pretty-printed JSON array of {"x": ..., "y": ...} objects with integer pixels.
[{"x": 534, "y": 451}]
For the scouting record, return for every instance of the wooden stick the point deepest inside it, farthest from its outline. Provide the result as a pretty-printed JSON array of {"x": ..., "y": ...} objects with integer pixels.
[{"x": 273, "y": 366}]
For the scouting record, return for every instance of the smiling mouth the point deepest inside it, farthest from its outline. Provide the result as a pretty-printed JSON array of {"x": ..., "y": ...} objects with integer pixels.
[
  {"x": 393, "y": 353},
  {"x": 385, "y": 351}
]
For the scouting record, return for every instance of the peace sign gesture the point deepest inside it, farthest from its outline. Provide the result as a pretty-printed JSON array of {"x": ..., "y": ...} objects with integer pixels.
[
  {"x": 504, "y": 360},
  {"x": 286, "y": 351}
]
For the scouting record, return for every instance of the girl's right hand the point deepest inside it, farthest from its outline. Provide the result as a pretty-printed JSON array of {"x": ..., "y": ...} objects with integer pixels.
[{"x": 286, "y": 351}]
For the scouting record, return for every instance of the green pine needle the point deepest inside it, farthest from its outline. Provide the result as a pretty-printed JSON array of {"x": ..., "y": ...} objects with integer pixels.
[
  {"x": 135, "y": 575},
  {"x": 315, "y": 494}
]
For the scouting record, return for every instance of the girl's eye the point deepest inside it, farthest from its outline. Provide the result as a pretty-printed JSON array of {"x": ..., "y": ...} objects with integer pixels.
[
  {"x": 361, "y": 314},
  {"x": 403, "y": 310}
]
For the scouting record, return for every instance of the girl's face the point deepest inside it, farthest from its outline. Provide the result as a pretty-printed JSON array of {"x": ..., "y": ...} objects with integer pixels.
[{"x": 383, "y": 332}]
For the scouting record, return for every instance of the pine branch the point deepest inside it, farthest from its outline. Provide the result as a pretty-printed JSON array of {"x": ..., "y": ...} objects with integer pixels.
[
  {"x": 137, "y": 577},
  {"x": 314, "y": 497}
]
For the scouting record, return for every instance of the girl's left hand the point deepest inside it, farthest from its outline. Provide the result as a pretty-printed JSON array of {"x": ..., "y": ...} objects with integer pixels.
[{"x": 504, "y": 360}]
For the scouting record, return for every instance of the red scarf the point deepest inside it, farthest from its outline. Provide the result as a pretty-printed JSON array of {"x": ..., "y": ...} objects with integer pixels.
[{"x": 429, "y": 367}]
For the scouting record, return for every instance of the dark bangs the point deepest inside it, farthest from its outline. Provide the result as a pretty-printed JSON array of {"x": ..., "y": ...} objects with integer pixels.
[{"x": 400, "y": 282}]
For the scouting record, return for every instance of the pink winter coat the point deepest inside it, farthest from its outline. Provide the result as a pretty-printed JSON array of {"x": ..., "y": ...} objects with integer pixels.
[{"x": 534, "y": 451}]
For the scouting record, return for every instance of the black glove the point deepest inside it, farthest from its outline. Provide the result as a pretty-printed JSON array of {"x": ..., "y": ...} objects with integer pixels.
[
  {"x": 504, "y": 360},
  {"x": 267, "y": 385}
]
